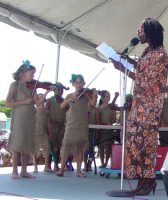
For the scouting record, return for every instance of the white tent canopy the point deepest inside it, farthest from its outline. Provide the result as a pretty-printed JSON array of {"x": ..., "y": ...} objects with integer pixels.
[
  {"x": 86, "y": 23},
  {"x": 83, "y": 25}
]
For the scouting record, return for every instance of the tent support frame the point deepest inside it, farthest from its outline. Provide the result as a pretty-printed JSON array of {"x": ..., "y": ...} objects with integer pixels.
[{"x": 60, "y": 40}]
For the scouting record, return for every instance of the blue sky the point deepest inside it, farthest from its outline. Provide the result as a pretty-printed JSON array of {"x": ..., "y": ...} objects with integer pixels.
[{"x": 17, "y": 45}]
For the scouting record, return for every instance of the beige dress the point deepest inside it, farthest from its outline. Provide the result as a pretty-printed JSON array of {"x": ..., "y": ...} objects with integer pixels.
[
  {"x": 107, "y": 116},
  {"x": 120, "y": 120},
  {"x": 76, "y": 130},
  {"x": 92, "y": 115},
  {"x": 41, "y": 139},
  {"x": 92, "y": 133},
  {"x": 22, "y": 137},
  {"x": 57, "y": 119}
]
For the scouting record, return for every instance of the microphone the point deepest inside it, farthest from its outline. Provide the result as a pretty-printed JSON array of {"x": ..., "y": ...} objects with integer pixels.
[{"x": 132, "y": 44}]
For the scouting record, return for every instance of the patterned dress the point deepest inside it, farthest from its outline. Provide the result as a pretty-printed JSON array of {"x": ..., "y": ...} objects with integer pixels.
[{"x": 144, "y": 117}]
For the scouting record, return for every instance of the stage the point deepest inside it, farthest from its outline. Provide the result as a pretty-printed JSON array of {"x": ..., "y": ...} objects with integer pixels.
[{"x": 50, "y": 187}]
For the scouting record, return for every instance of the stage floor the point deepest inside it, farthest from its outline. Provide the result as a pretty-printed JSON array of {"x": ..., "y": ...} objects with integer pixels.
[{"x": 50, "y": 187}]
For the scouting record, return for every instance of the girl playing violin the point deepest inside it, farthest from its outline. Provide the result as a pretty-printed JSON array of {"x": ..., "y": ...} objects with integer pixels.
[
  {"x": 75, "y": 139},
  {"x": 20, "y": 99}
]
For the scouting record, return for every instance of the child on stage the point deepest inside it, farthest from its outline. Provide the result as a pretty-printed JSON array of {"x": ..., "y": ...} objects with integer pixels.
[
  {"x": 75, "y": 139},
  {"x": 41, "y": 137},
  {"x": 92, "y": 119},
  {"x": 20, "y": 99},
  {"x": 107, "y": 116},
  {"x": 56, "y": 121},
  {"x": 127, "y": 107}
]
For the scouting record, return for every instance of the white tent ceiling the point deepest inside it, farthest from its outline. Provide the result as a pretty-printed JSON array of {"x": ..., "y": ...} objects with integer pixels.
[{"x": 84, "y": 24}]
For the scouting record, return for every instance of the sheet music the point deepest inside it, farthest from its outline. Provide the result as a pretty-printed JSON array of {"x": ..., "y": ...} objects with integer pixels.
[{"x": 109, "y": 52}]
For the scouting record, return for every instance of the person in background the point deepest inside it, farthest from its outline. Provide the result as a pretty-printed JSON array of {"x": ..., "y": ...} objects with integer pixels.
[
  {"x": 92, "y": 119},
  {"x": 56, "y": 121},
  {"x": 106, "y": 116},
  {"x": 42, "y": 147},
  {"x": 127, "y": 107}
]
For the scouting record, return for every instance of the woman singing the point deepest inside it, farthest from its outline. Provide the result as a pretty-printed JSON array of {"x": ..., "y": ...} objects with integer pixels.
[{"x": 143, "y": 121}]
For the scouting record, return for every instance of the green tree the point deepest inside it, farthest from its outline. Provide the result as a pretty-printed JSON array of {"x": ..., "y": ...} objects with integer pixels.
[{"x": 7, "y": 111}]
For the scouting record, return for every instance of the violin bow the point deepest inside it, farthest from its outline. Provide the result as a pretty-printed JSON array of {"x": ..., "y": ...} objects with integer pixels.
[
  {"x": 42, "y": 67},
  {"x": 90, "y": 83}
]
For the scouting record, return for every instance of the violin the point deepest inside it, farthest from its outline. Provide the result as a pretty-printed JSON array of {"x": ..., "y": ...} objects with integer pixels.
[
  {"x": 37, "y": 84},
  {"x": 34, "y": 84},
  {"x": 89, "y": 92}
]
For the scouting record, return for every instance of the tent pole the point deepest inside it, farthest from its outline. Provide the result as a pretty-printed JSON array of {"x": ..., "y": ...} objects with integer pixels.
[
  {"x": 60, "y": 40},
  {"x": 58, "y": 60}
]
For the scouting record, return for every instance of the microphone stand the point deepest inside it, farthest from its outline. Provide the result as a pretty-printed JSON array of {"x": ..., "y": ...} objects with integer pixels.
[{"x": 122, "y": 193}]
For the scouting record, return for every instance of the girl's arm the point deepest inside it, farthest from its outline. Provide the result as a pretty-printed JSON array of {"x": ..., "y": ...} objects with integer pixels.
[
  {"x": 12, "y": 104},
  {"x": 93, "y": 98},
  {"x": 11, "y": 98},
  {"x": 114, "y": 100},
  {"x": 69, "y": 98},
  {"x": 39, "y": 100}
]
